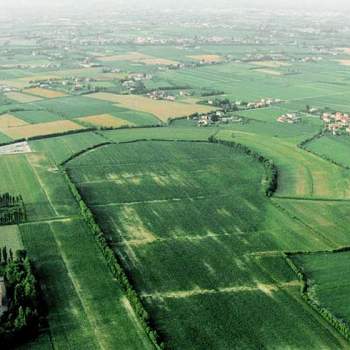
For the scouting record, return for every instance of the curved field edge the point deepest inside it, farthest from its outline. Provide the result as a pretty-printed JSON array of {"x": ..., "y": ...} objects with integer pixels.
[{"x": 252, "y": 153}]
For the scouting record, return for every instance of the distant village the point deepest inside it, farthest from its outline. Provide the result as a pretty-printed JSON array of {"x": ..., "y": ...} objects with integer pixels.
[{"x": 337, "y": 123}]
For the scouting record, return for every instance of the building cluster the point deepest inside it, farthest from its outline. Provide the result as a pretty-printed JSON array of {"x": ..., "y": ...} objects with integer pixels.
[
  {"x": 263, "y": 103},
  {"x": 217, "y": 117},
  {"x": 337, "y": 123},
  {"x": 289, "y": 118},
  {"x": 161, "y": 95}
]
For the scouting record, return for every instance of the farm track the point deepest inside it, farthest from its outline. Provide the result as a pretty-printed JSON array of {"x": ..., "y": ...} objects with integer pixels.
[{"x": 268, "y": 289}]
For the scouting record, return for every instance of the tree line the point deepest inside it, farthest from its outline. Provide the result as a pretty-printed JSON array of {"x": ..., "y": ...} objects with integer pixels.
[
  {"x": 12, "y": 209},
  {"x": 22, "y": 319},
  {"x": 116, "y": 269},
  {"x": 271, "y": 179}
]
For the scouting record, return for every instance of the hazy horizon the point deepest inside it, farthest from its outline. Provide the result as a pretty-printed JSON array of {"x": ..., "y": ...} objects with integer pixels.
[{"x": 336, "y": 5}]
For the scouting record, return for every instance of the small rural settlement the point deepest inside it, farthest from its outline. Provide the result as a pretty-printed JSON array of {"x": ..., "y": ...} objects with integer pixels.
[{"x": 174, "y": 175}]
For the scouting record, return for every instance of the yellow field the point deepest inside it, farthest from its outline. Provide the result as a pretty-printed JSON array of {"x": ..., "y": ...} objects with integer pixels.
[
  {"x": 269, "y": 71},
  {"x": 207, "y": 58},
  {"x": 45, "y": 92},
  {"x": 105, "y": 120},
  {"x": 139, "y": 58},
  {"x": 10, "y": 121},
  {"x": 22, "y": 98},
  {"x": 158, "y": 61},
  {"x": 131, "y": 56},
  {"x": 161, "y": 109},
  {"x": 30, "y": 130},
  {"x": 271, "y": 64}
]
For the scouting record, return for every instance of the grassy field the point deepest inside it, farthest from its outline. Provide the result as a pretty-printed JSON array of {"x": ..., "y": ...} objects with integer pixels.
[
  {"x": 327, "y": 274},
  {"x": 336, "y": 148},
  {"x": 191, "y": 269},
  {"x": 301, "y": 174},
  {"x": 60, "y": 148},
  {"x": 10, "y": 237},
  {"x": 76, "y": 288}
]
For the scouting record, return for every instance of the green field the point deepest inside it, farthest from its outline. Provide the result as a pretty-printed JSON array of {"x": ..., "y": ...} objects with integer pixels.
[
  {"x": 335, "y": 148},
  {"x": 329, "y": 283},
  {"x": 10, "y": 237},
  {"x": 77, "y": 287},
  {"x": 197, "y": 238},
  {"x": 301, "y": 174},
  {"x": 222, "y": 256}
]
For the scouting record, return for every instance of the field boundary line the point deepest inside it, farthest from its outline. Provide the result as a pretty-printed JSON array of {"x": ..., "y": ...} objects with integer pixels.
[
  {"x": 43, "y": 187},
  {"x": 310, "y": 199},
  {"x": 92, "y": 322}
]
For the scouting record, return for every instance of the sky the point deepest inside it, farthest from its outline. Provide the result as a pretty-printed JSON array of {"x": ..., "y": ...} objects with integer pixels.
[{"x": 331, "y": 5}]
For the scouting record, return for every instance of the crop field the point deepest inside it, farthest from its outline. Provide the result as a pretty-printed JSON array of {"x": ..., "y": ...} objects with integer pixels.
[
  {"x": 200, "y": 242},
  {"x": 161, "y": 109},
  {"x": 327, "y": 274},
  {"x": 301, "y": 174},
  {"x": 77, "y": 286},
  {"x": 137, "y": 57},
  {"x": 60, "y": 148},
  {"x": 207, "y": 58},
  {"x": 138, "y": 193},
  {"x": 45, "y": 93},
  {"x": 77, "y": 107},
  {"x": 326, "y": 217},
  {"x": 104, "y": 120},
  {"x": 37, "y": 116},
  {"x": 336, "y": 148},
  {"x": 10, "y": 237},
  {"x": 10, "y": 121},
  {"x": 22, "y": 98},
  {"x": 31, "y": 130}
]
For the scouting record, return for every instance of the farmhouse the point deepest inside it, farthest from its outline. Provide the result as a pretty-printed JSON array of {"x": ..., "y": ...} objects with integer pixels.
[
  {"x": 3, "y": 300},
  {"x": 290, "y": 118}
]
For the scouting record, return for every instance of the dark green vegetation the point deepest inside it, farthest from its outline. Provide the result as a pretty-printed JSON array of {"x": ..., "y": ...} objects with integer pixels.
[
  {"x": 21, "y": 319},
  {"x": 12, "y": 209},
  {"x": 326, "y": 285},
  {"x": 138, "y": 193}
]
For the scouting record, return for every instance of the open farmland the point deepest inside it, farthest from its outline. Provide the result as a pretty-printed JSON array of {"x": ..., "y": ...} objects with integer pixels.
[
  {"x": 335, "y": 148},
  {"x": 327, "y": 275},
  {"x": 45, "y": 93},
  {"x": 166, "y": 205},
  {"x": 161, "y": 109},
  {"x": 10, "y": 121},
  {"x": 22, "y": 98},
  {"x": 105, "y": 120},
  {"x": 10, "y": 237},
  {"x": 39, "y": 129},
  {"x": 138, "y": 193},
  {"x": 301, "y": 174}
]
